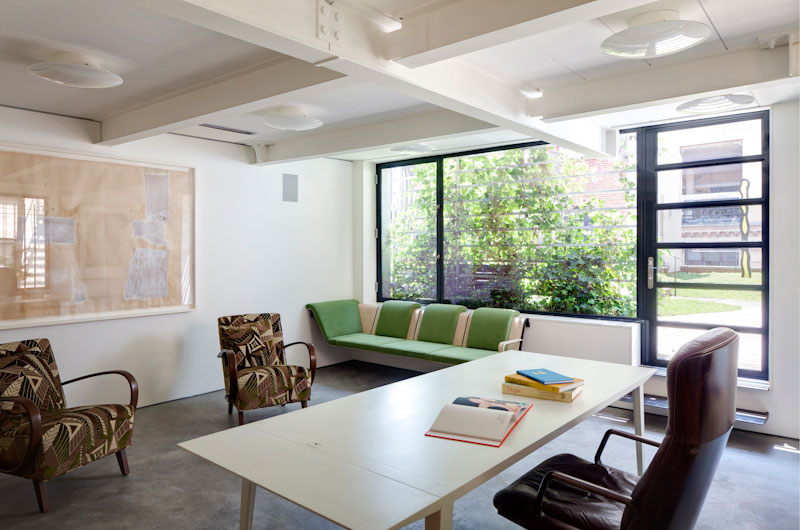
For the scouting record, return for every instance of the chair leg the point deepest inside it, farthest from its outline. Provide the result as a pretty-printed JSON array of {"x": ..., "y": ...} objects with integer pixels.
[
  {"x": 241, "y": 418},
  {"x": 304, "y": 404},
  {"x": 122, "y": 460},
  {"x": 41, "y": 495},
  {"x": 230, "y": 407}
]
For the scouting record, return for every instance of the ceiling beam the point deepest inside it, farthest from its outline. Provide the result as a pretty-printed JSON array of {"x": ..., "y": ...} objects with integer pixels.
[
  {"x": 424, "y": 127},
  {"x": 290, "y": 28},
  {"x": 433, "y": 36},
  {"x": 255, "y": 89},
  {"x": 657, "y": 85}
]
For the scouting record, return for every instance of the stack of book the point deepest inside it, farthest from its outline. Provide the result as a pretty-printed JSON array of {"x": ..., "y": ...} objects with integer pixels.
[{"x": 542, "y": 383}]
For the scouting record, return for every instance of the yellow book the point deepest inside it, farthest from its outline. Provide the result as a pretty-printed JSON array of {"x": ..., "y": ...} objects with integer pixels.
[
  {"x": 527, "y": 391},
  {"x": 526, "y": 381}
]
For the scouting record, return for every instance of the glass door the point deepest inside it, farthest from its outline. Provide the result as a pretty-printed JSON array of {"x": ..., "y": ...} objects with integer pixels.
[{"x": 705, "y": 258}]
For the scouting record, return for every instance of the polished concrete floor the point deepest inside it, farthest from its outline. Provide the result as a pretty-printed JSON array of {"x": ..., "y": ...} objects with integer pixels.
[{"x": 756, "y": 485}]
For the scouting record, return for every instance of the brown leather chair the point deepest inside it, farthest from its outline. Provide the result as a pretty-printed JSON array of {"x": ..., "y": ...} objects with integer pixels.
[{"x": 568, "y": 493}]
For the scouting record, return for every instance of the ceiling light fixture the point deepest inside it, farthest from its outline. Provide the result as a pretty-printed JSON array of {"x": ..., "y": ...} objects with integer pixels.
[
  {"x": 290, "y": 118},
  {"x": 76, "y": 70},
  {"x": 413, "y": 149},
  {"x": 714, "y": 104},
  {"x": 655, "y": 34}
]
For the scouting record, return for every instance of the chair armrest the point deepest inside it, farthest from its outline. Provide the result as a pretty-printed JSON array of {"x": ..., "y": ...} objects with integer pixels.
[
  {"x": 580, "y": 484},
  {"x": 312, "y": 356},
  {"x": 624, "y": 434},
  {"x": 35, "y": 418},
  {"x": 506, "y": 343},
  {"x": 127, "y": 375},
  {"x": 232, "y": 375}
]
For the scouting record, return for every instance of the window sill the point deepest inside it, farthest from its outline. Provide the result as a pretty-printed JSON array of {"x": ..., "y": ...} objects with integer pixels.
[{"x": 741, "y": 382}]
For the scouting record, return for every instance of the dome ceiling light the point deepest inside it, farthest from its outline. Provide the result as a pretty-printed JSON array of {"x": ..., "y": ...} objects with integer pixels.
[
  {"x": 715, "y": 104},
  {"x": 75, "y": 70},
  {"x": 290, "y": 118},
  {"x": 655, "y": 34}
]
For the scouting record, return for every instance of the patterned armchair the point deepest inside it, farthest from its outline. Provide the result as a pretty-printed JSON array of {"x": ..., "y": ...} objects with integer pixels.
[
  {"x": 254, "y": 364},
  {"x": 40, "y": 438}
]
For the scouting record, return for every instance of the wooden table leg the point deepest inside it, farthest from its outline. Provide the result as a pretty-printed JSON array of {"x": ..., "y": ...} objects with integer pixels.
[
  {"x": 638, "y": 424},
  {"x": 441, "y": 520},
  {"x": 248, "y": 502}
]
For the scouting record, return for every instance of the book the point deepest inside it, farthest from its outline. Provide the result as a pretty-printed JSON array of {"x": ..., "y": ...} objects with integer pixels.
[
  {"x": 526, "y": 391},
  {"x": 563, "y": 387},
  {"x": 477, "y": 420},
  {"x": 545, "y": 376}
]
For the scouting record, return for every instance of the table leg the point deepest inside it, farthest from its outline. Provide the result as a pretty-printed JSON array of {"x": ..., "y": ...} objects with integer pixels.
[
  {"x": 638, "y": 424},
  {"x": 248, "y": 502},
  {"x": 441, "y": 520}
]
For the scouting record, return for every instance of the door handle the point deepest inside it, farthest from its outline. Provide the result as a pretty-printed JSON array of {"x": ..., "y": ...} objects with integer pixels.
[{"x": 650, "y": 272}]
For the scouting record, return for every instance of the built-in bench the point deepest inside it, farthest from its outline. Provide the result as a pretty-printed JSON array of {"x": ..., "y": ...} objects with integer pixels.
[{"x": 437, "y": 332}]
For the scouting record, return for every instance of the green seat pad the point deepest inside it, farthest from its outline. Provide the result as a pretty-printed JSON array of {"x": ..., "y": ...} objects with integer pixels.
[
  {"x": 458, "y": 355},
  {"x": 439, "y": 323},
  {"x": 394, "y": 318},
  {"x": 336, "y": 318},
  {"x": 489, "y": 327},
  {"x": 414, "y": 348},
  {"x": 363, "y": 341}
]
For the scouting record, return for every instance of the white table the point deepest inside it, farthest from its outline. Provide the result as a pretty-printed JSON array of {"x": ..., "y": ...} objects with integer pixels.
[{"x": 363, "y": 461}]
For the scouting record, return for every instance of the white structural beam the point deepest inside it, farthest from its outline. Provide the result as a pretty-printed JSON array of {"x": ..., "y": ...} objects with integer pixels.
[
  {"x": 423, "y": 127},
  {"x": 466, "y": 26},
  {"x": 246, "y": 92},
  {"x": 664, "y": 84},
  {"x": 290, "y": 28}
]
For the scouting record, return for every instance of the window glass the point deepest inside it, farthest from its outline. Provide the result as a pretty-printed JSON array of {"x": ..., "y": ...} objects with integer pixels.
[
  {"x": 710, "y": 183},
  {"x": 726, "y": 140}
]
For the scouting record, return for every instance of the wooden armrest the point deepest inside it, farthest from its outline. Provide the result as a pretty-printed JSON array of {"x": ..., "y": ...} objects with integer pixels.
[
  {"x": 624, "y": 434},
  {"x": 312, "y": 356},
  {"x": 506, "y": 343},
  {"x": 127, "y": 375},
  {"x": 232, "y": 375},
  {"x": 580, "y": 484},
  {"x": 35, "y": 418}
]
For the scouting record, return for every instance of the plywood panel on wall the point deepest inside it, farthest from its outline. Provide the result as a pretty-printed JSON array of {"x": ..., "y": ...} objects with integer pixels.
[{"x": 82, "y": 238}]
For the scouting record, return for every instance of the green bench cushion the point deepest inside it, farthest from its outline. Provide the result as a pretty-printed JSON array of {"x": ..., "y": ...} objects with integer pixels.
[
  {"x": 414, "y": 348},
  {"x": 489, "y": 327},
  {"x": 458, "y": 354},
  {"x": 336, "y": 318},
  {"x": 363, "y": 341},
  {"x": 439, "y": 323},
  {"x": 395, "y": 318}
]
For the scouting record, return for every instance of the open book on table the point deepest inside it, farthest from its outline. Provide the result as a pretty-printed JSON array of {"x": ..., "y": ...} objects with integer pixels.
[{"x": 478, "y": 420}]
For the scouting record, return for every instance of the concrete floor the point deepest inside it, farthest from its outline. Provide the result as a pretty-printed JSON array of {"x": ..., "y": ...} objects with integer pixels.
[{"x": 756, "y": 486}]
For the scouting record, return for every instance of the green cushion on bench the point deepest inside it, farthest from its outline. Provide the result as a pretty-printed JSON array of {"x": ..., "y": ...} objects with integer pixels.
[
  {"x": 364, "y": 341},
  {"x": 336, "y": 318},
  {"x": 439, "y": 323},
  {"x": 457, "y": 355},
  {"x": 489, "y": 326},
  {"x": 414, "y": 348},
  {"x": 394, "y": 318}
]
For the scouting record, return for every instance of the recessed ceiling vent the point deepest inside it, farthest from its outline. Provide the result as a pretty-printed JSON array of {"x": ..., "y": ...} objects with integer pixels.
[{"x": 217, "y": 132}]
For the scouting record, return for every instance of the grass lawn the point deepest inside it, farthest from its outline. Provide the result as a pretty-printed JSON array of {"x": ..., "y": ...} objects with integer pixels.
[
  {"x": 671, "y": 306},
  {"x": 716, "y": 277}
]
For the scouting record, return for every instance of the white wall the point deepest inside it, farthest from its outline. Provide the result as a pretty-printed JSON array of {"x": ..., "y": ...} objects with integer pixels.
[{"x": 254, "y": 253}]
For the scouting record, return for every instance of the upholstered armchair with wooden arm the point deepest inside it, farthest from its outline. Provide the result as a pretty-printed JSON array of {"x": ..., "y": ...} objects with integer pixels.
[
  {"x": 254, "y": 364},
  {"x": 40, "y": 438}
]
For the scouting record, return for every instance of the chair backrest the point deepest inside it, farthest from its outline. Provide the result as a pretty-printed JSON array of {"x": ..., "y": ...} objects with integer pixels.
[
  {"x": 255, "y": 339},
  {"x": 28, "y": 369},
  {"x": 701, "y": 388},
  {"x": 394, "y": 318},
  {"x": 337, "y": 318},
  {"x": 439, "y": 323},
  {"x": 489, "y": 326}
]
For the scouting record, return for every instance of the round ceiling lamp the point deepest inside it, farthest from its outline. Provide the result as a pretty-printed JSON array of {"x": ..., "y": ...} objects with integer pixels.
[
  {"x": 715, "y": 104},
  {"x": 75, "y": 70},
  {"x": 414, "y": 149},
  {"x": 290, "y": 118},
  {"x": 655, "y": 34}
]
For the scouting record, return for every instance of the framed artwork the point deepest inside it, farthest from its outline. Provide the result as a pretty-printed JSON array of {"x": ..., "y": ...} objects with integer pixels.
[{"x": 88, "y": 238}]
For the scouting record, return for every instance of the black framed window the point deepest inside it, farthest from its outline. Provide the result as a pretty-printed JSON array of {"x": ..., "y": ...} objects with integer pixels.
[
  {"x": 533, "y": 227},
  {"x": 704, "y": 250}
]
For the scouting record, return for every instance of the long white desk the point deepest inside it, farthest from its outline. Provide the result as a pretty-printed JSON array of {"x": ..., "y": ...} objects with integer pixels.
[{"x": 363, "y": 461}]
